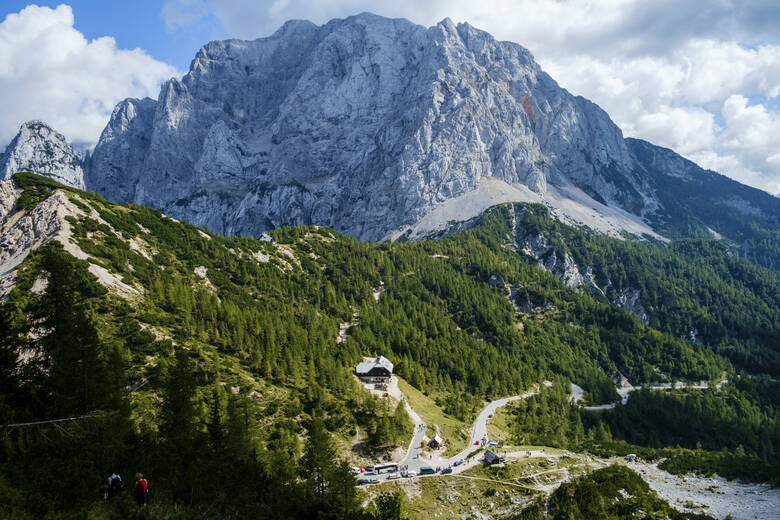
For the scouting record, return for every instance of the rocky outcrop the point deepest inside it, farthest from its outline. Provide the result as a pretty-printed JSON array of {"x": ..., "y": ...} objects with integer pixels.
[
  {"x": 630, "y": 300},
  {"x": 124, "y": 141},
  {"x": 384, "y": 129},
  {"x": 364, "y": 124},
  {"x": 22, "y": 231},
  {"x": 552, "y": 254},
  {"x": 37, "y": 148}
]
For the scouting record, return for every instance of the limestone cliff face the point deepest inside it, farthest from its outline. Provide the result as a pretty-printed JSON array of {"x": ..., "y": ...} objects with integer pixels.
[
  {"x": 39, "y": 149},
  {"x": 381, "y": 128},
  {"x": 363, "y": 124}
]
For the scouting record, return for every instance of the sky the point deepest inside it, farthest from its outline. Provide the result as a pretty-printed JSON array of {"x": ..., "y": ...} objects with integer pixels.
[{"x": 699, "y": 76}]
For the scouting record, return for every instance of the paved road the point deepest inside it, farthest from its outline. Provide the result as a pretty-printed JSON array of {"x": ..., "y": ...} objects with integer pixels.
[
  {"x": 625, "y": 389},
  {"x": 411, "y": 457},
  {"x": 479, "y": 430},
  {"x": 412, "y": 460}
]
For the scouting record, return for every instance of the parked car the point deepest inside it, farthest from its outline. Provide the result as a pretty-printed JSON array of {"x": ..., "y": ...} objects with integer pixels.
[
  {"x": 490, "y": 416},
  {"x": 411, "y": 473},
  {"x": 363, "y": 481},
  {"x": 393, "y": 476},
  {"x": 476, "y": 443},
  {"x": 427, "y": 470},
  {"x": 459, "y": 462},
  {"x": 357, "y": 471},
  {"x": 446, "y": 470}
]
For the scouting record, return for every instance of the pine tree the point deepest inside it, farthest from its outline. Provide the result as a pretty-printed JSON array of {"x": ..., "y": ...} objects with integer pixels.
[
  {"x": 317, "y": 461},
  {"x": 177, "y": 417},
  {"x": 216, "y": 422},
  {"x": 342, "y": 494},
  {"x": 9, "y": 364},
  {"x": 76, "y": 372}
]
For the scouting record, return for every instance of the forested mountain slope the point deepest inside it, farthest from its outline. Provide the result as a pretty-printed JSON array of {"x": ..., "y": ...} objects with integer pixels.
[
  {"x": 698, "y": 289},
  {"x": 701, "y": 203},
  {"x": 195, "y": 354}
]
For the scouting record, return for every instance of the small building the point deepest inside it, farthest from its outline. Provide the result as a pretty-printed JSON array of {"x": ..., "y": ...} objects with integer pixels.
[
  {"x": 631, "y": 457},
  {"x": 436, "y": 442},
  {"x": 377, "y": 371},
  {"x": 265, "y": 237},
  {"x": 491, "y": 458}
]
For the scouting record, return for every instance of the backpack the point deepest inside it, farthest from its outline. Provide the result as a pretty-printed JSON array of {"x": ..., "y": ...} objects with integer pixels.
[{"x": 116, "y": 484}]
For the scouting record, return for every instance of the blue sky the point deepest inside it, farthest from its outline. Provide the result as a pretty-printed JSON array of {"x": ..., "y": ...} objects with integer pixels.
[
  {"x": 138, "y": 23},
  {"x": 699, "y": 76}
]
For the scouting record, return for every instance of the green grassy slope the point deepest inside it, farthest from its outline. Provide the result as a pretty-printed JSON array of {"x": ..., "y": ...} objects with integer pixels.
[{"x": 256, "y": 324}]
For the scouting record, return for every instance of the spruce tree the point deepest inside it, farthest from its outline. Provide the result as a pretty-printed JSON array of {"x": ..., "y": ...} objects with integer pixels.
[
  {"x": 177, "y": 417},
  {"x": 317, "y": 462},
  {"x": 75, "y": 371}
]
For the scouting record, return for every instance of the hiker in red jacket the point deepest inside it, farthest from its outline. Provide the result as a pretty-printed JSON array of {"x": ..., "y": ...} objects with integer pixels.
[{"x": 141, "y": 489}]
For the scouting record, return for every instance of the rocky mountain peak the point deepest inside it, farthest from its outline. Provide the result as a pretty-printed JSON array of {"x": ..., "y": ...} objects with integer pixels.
[
  {"x": 40, "y": 149},
  {"x": 371, "y": 125}
]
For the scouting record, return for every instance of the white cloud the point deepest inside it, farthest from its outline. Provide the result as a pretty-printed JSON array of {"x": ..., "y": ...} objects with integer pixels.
[
  {"x": 693, "y": 100},
  {"x": 49, "y": 71},
  {"x": 663, "y": 70},
  {"x": 183, "y": 12}
]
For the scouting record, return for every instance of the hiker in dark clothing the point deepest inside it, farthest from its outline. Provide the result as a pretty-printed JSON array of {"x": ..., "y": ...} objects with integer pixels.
[
  {"x": 114, "y": 485},
  {"x": 141, "y": 489}
]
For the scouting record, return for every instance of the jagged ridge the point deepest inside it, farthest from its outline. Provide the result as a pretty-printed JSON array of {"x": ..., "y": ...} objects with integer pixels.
[
  {"x": 381, "y": 128},
  {"x": 364, "y": 125}
]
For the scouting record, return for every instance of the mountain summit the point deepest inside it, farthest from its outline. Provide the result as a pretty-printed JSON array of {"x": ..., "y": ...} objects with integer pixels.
[
  {"x": 382, "y": 129},
  {"x": 364, "y": 125},
  {"x": 39, "y": 149}
]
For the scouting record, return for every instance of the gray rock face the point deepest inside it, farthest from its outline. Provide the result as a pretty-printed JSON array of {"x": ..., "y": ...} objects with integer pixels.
[
  {"x": 126, "y": 140},
  {"x": 367, "y": 125},
  {"x": 39, "y": 149},
  {"x": 630, "y": 299},
  {"x": 363, "y": 124}
]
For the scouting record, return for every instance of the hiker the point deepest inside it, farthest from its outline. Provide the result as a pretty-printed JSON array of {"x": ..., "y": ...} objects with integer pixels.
[
  {"x": 114, "y": 485},
  {"x": 141, "y": 489}
]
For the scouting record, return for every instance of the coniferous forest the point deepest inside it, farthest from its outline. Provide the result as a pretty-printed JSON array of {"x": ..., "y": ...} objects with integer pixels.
[{"x": 212, "y": 364}]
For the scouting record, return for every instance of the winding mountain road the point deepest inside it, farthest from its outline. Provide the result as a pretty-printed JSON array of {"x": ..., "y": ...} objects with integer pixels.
[
  {"x": 479, "y": 431},
  {"x": 625, "y": 389},
  {"x": 412, "y": 460}
]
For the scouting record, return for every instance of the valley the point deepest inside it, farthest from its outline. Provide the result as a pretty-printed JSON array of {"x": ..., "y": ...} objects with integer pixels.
[
  {"x": 372, "y": 270},
  {"x": 134, "y": 248},
  {"x": 175, "y": 290},
  {"x": 528, "y": 477}
]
